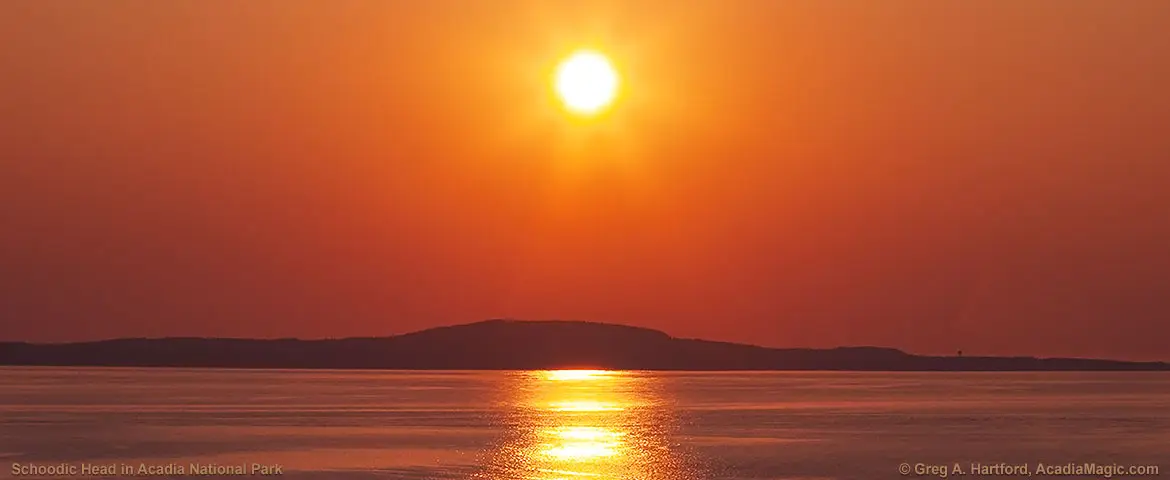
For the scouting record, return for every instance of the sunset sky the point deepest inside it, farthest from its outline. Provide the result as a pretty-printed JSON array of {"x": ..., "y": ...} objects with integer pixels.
[{"x": 991, "y": 176}]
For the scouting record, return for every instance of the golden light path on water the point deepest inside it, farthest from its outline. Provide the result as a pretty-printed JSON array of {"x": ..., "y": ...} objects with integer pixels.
[{"x": 570, "y": 424}]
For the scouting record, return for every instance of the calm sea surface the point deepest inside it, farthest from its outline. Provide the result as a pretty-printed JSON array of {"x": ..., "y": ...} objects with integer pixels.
[{"x": 577, "y": 425}]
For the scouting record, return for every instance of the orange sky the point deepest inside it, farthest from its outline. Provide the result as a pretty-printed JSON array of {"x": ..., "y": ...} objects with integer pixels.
[{"x": 986, "y": 176}]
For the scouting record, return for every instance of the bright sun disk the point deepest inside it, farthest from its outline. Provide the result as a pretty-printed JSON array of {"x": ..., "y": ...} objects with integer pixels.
[{"x": 586, "y": 82}]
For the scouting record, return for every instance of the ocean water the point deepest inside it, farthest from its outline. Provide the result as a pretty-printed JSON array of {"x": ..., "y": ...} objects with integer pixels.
[{"x": 576, "y": 424}]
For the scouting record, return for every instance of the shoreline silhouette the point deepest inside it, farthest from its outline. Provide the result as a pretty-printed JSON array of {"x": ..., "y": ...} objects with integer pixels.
[{"x": 519, "y": 345}]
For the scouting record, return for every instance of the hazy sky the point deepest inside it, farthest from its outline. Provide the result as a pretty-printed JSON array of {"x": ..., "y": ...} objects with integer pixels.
[{"x": 991, "y": 176}]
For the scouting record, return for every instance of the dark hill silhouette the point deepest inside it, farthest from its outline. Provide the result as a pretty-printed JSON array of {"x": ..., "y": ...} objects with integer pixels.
[{"x": 516, "y": 345}]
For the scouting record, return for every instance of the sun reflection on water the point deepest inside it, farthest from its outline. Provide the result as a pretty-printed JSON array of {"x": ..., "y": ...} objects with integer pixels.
[
  {"x": 586, "y": 424},
  {"x": 583, "y": 444},
  {"x": 584, "y": 406},
  {"x": 577, "y": 375}
]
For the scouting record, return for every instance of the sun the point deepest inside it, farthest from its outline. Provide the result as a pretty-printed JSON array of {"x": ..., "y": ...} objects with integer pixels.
[{"x": 586, "y": 82}]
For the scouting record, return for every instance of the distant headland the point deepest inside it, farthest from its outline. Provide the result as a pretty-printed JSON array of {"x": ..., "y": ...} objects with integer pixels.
[{"x": 518, "y": 345}]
